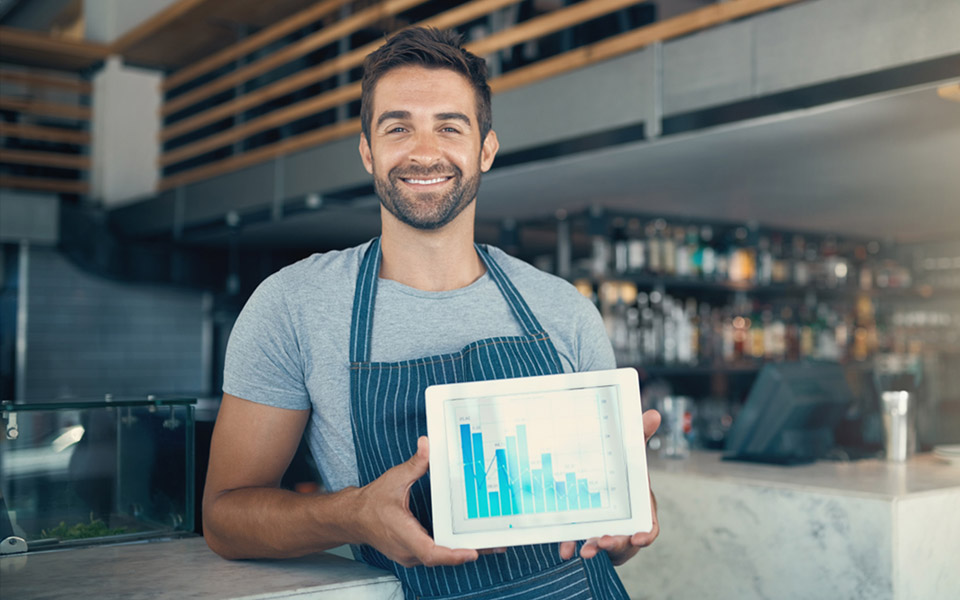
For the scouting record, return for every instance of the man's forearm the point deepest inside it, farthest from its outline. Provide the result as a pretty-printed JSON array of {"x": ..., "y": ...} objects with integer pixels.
[{"x": 277, "y": 523}]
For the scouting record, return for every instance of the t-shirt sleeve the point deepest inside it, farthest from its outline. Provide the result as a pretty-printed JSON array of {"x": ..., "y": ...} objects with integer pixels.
[
  {"x": 263, "y": 362},
  {"x": 595, "y": 352}
]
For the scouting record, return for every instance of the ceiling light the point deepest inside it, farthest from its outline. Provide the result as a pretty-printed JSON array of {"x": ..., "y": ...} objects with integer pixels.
[{"x": 950, "y": 91}]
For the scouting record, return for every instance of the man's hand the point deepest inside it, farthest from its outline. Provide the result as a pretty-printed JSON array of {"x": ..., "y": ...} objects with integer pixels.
[
  {"x": 622, "y": 547},
  {"x": 387, "y": 524}
]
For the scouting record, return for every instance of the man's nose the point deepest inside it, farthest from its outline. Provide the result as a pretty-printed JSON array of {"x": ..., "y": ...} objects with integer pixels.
[{"x": 426, "y": 149}]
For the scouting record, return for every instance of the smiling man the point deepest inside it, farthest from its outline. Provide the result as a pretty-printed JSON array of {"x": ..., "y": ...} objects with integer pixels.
[{"x": 307, "y": 357}]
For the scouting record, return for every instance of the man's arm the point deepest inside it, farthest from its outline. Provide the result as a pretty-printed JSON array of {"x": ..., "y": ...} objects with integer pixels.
[{"x": 247, "y": 515}]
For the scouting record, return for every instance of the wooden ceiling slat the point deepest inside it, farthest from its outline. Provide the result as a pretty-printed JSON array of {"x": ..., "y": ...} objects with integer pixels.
[
  {"x": 46, "y": 81},
  {"x": 45, "y": 159},
  {"x": 45, "y": 134},
  {"x": 36, "y": 49},
  {"x": 44, "y": 184}
]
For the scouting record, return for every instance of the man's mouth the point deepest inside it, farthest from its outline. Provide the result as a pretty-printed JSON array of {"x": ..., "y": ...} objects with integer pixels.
[{"x": 430, "y": 181}]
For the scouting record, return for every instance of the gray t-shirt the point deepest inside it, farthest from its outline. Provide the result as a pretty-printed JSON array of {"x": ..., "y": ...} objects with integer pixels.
[{"x": 290, "y": 346}]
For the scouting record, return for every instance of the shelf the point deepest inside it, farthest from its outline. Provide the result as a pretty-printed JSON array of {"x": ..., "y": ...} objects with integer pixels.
[{"x": 741, "y": 368}]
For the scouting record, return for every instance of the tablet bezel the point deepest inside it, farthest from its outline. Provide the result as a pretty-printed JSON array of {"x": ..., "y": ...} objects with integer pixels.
[{"x": 631, "y": 427}]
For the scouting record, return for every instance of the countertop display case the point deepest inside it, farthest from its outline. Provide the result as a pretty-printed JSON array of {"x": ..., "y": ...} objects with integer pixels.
[{"x": 81, "y": 472}]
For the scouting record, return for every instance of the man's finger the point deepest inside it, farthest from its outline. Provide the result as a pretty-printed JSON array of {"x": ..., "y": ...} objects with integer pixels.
[
  {"x": 437, "y": 556},
  {"x": 567, "y": 549},
  {"x": 416, "y": 467},
  {"x": 651, "y": 422}
]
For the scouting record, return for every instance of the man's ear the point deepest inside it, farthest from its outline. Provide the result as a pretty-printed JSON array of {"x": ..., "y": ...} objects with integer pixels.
[
  {"x": 488, "y": 151},
  {"x": 365, "y": 155}
]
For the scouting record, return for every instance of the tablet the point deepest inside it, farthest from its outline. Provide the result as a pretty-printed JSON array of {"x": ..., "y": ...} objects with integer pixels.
[{"x": 537, "y": 459}]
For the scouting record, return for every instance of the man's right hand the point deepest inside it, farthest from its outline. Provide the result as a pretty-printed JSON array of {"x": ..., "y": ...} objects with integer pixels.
[{"x": 386, "y": 523}]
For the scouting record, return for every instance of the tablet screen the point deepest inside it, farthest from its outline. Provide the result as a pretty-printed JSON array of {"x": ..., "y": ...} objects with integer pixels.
[{"x": 536, "y": 459}]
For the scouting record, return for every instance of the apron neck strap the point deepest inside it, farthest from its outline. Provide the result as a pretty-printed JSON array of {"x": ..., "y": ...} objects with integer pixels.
[{"x": 361, "y": 326}]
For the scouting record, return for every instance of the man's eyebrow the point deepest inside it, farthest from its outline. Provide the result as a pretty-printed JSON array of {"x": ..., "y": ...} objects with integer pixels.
[
  {"x": 452, "y": 116},
  {"x": 393, "y": 114}
]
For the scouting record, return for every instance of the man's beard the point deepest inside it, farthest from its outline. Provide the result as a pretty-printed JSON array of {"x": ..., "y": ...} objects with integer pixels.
[{"x": 426, "y": 210}]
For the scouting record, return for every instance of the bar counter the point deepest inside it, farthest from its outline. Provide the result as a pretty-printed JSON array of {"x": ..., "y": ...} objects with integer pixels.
[{"x": 865, "y": 529}]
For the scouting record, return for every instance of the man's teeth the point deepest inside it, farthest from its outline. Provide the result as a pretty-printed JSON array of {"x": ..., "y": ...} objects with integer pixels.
[{"x": 426, "y": 181}]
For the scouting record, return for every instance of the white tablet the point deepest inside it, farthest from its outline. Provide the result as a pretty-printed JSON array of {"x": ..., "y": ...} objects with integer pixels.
[{"x": 537, "y": 459}]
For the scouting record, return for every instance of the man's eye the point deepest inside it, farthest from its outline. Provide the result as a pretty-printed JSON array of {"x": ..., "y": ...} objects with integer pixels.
[
  {"x": 450, "y": 130},
  {"x": 397, "y": 129}
]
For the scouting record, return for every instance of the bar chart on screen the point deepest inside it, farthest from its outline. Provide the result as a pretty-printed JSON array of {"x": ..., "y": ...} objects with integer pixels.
[{"x": 531, "y": 455}]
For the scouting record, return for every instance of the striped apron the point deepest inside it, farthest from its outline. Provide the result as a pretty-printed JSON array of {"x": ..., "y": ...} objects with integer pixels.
[{"x": 388, "y": 415}]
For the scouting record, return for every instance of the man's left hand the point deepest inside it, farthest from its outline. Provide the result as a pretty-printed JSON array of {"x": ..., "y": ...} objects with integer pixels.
[{"x": 622, "y": 547}]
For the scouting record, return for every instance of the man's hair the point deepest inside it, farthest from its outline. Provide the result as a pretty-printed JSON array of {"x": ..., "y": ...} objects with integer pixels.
[{"x": 433, "y": 49}]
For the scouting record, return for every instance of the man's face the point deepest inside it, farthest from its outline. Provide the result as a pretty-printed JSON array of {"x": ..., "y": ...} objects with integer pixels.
[{"x": 425, "y": 152}]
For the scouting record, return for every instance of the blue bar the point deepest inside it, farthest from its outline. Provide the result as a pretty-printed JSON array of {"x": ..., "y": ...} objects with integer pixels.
[
  {"x": 525, "y": 479},
  {"x": 513, "y": 470},
  {"x": 494, "y": 504},
  {"x": 504, "y": 482},
  {"x": 573, "y": 501},
  {"x": 584, "y": 493},
  {"x": 561, "y": 496},
  {"x": 595, "y": 500},
  {"x": 480, "y": 474},
  {"x": 469, "y": 481},
  {"x": 546, "y": 464},
  {"x": 538, "y": 490}
]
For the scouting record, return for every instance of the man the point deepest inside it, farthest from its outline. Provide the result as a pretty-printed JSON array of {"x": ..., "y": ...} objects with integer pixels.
[{"x": 307, "y": 354}]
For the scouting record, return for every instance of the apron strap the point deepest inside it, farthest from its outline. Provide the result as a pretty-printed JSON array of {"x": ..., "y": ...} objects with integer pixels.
[{"x": 361, "y": 327}]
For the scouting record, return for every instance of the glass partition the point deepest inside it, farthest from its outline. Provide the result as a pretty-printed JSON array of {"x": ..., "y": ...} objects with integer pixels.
[{"x": 82, "y": 472}]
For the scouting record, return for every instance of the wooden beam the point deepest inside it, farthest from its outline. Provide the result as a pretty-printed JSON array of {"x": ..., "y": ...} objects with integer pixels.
[
  {"x": 254, "y": 42},
  {"x": 301, "y": 79},
  {"x": 37, "y": 80},
  {"x": 154, "y": 24},
  {"x": 281, "y": 148},
  {"x": 51, "y": 109},
  {"x": 630, "y": 41},
  {"x": 46, "y": 134},
  {"x": 28, "y": 47},
  {"x": 45, "y": 159},
  {"x": 44, "y": 185},
  {"x": 322, "y": 38}
]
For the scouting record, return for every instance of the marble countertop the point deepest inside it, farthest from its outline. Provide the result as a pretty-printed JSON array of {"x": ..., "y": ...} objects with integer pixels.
[
  {"x": 186, "y": 569},
  {"x": 922, "y": 474}
]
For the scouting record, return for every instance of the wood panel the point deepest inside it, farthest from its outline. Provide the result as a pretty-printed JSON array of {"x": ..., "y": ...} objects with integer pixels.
[
  {"x": 45, "y": 159},
  {"x": 51, "y": 109},
  {"x": 29, "y": 48},
  {"x": 344, "y": 62},
  {"x": 45, "y": 134},
  {"x": 254, "y": 42},
  {"x": 37, "y": 80},
  {"x": 320, "y": 39},
  {"x": 44, "y": 185}
]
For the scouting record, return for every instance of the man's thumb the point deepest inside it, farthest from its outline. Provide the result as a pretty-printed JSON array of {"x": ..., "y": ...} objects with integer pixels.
[{"x": 418, "y": 463}]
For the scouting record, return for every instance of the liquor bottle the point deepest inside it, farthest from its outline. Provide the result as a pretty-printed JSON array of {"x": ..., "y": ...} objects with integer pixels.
[
  {"x": 636, "y": 247},
  {"x": 668, "y": 250},
  {"x": 654, "y": 247},
  {"x": 781, "y": 266},
  {"x": 705, "y": 257},
  {"x": 600, "y": 246},
  {"x": 801, "y": 271},
  {"x": 620, "y": 246},
  {"x": 764, "y": 261},
  {"x": 684, "y": 260}
]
